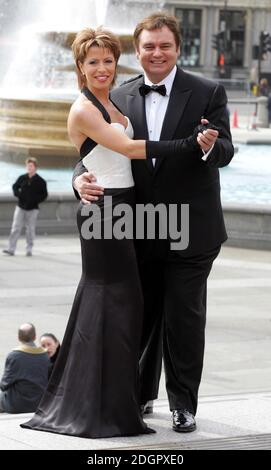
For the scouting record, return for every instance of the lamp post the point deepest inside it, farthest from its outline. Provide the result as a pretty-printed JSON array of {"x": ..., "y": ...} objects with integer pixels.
[
  {"x": 226, "y": 29},
  {"x": 226, "y": 41},
  {"x": 264, "y": 48}
]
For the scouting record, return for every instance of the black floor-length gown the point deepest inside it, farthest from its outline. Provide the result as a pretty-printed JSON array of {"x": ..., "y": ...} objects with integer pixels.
[{"x": 93, "y": 389}]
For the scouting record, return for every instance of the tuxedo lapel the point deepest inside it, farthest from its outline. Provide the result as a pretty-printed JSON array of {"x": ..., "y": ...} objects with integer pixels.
[
  {"x": 178, "y": 100},
  {"x": 176, "y": 105},
  {"x": 136, "y": 111},
  {"x": 137, "y": 114},
  {"x": 179, "y": 97}
]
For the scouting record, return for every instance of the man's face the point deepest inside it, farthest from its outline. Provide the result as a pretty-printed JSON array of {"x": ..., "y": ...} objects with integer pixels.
[
  {"x": 157, "y": 52},
  {"x": 30, "y": 168}
]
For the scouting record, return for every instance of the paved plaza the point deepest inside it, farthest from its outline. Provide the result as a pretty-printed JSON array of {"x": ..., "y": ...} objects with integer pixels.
[{"x": 235, "y": 395}]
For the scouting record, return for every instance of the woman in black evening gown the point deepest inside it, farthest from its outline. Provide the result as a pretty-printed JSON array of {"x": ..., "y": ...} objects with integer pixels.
[{"x": 93, "y": 389}]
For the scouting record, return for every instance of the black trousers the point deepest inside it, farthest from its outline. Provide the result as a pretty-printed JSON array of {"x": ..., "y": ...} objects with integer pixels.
[{"x": 174, "y": 289}]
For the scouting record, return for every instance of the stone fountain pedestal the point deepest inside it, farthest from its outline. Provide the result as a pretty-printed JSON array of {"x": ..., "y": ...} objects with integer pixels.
[
  {"x": 36, "y": 128},
  {"x": 37, "y": 125}
]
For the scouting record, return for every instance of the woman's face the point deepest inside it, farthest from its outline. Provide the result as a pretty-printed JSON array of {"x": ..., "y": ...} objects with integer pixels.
[
  {"x": 49, "y": 344},
  {"x": 99, "y": 68}
]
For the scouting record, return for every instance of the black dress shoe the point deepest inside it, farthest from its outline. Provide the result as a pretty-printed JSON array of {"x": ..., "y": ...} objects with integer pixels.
[
  {"x": 149, "y": 431},
  {"x": 147, "y": 409},
  {"x": 183, "y": 421}
]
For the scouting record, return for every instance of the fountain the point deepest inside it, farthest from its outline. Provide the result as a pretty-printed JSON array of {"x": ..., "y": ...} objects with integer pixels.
[
  {"x": 34, "y": 109},
  {"x": 40, "y": 84}
]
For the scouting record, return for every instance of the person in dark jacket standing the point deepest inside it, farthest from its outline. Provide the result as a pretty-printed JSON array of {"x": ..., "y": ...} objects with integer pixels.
[
  {"x": 31, "y": 190},
  {"x": 26, "y": 374}
]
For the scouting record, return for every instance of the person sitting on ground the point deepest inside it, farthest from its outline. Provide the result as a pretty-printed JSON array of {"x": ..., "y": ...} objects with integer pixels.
[
  {"x": 49, "y": 342},
  {"x": 26, "y": 374}
]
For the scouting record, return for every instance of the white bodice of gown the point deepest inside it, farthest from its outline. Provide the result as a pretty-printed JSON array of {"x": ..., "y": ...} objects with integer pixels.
[{"x": 111, "y": 169}]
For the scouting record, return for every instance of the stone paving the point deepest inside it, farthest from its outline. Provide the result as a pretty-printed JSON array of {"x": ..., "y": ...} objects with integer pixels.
[{"x": 235, "y": 394}]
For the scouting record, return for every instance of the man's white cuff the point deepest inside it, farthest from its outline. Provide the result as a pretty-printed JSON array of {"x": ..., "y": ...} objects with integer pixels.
[{"x": 205, "y": 154}]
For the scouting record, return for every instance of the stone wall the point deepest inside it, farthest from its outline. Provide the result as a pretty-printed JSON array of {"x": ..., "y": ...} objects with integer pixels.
[
  {"x": 248, "y": 226},
  {"x": 57, "y": 214}
]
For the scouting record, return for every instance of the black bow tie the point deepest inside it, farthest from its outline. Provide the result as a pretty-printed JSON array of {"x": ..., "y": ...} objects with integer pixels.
[{"x": 145, "y": 89}]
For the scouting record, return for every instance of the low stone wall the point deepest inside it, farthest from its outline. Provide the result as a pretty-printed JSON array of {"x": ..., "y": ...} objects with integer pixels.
[
  {"x": 57, "y": 214},
  {"x": 248, "y": 226}
]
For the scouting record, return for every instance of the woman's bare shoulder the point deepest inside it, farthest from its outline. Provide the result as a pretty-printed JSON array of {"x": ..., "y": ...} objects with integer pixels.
[{"x": 82, "y": 110}]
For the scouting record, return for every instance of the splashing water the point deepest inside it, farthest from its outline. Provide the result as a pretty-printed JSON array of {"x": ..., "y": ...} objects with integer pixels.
[{"x": 38, "y": 66}]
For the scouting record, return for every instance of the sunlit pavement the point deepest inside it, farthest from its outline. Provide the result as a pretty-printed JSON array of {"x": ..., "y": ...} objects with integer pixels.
[
  {"x": 246, "y": 135},
  {"x": 235, "y": 395}
]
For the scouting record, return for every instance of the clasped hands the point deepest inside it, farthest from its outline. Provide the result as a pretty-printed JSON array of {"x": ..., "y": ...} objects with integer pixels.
[
  {"x": 206, "y": 136},
  {"x": 89, "y": 191}
]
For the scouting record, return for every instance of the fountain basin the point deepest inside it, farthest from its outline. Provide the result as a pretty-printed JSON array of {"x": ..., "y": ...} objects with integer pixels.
[
  {"x": 66, "y": 38},
  {"x": 35, "y": 127}
]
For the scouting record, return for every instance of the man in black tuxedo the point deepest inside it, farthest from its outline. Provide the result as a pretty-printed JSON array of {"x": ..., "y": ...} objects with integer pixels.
[{"x": 174, "y": 282}]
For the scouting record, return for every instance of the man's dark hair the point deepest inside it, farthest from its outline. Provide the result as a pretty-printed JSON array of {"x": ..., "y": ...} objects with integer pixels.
[
  {"x": 27, "y": 333},
  {"x": 50, "y": 335},
  {"x": 156, "y": 21}
]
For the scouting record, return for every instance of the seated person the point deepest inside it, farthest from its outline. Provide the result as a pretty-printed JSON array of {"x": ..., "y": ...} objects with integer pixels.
[
  {"x": 49, "y": 342},
  {"x": 26, "y": 374}
]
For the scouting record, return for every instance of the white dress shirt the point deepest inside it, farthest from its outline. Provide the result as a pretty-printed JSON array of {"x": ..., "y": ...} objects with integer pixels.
[{"x": 156, "y": 106}]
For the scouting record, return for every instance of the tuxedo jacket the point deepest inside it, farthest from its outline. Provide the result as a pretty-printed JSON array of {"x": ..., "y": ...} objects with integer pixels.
[{"x": 185, "y": 178}]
